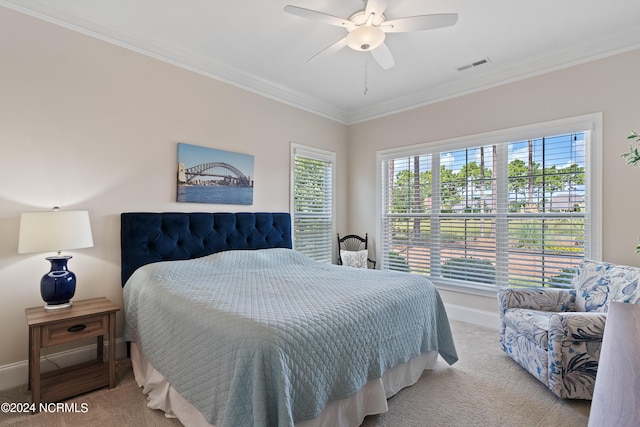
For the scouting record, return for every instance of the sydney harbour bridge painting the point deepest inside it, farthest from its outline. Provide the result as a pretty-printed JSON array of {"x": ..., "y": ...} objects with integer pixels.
[{"x": 208, "y": 175}]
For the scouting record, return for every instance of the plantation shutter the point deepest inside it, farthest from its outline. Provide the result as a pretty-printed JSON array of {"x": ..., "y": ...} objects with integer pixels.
[
  {"x": 500, "y": 214},
  {"x": 313, "y": 207}
]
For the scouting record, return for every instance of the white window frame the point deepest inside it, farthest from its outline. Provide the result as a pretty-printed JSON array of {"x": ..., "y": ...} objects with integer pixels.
[
  {"x": 298, "y": 150},
  {"x": 591, "y": 123}
]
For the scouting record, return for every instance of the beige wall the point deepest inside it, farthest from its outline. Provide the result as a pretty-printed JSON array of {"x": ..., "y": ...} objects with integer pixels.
[
  {"x": 609, "y": 86},
  {"x": 91, "y": 126},
  {"x": 88, "y": 125}
]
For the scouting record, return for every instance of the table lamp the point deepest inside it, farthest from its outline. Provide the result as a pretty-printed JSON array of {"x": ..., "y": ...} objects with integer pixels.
[{"x": 51, "y": 231}]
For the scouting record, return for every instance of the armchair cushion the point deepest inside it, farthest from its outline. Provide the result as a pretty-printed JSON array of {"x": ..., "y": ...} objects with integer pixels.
[
  {"x": 599, "y": 283},
  {"x": 592, "y": 287},
  {"x": 530, "y": 324}
]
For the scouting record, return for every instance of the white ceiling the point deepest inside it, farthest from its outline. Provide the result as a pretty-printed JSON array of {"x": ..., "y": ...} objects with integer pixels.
[{"x": 253, "y": 44}]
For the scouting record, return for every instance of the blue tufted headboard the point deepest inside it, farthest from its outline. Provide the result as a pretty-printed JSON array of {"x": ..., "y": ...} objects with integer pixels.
[{"x": 152, "y": 237}]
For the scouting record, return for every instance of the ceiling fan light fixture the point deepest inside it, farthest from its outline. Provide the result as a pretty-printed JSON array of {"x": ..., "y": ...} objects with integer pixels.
[{"x": 365, "y": 37}]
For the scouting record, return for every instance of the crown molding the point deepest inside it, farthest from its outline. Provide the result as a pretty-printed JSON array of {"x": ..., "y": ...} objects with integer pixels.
[
  {"x": 103, "y": 28},
  {"x": 134, "y": 39},
  {"x": 495, "y": 75}
]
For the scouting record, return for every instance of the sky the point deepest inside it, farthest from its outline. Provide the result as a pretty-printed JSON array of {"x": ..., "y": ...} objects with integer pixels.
[
  {"x": 193, "y": 155},
  {"x": 561, "y": 151}
]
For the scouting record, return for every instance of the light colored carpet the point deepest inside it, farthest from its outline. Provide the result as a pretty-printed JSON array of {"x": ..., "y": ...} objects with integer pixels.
[{"x": 484, "y": 388}]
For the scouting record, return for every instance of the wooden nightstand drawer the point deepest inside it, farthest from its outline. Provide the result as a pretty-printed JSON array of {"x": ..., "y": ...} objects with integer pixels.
[{"x": 74, "y": 329}]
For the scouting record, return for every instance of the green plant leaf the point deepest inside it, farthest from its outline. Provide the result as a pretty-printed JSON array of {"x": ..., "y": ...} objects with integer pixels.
[{"x": 633, "y": 155}]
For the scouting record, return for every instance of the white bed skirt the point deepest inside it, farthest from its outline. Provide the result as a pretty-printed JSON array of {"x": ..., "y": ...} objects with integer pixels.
[{"x": 347, "y": 412}]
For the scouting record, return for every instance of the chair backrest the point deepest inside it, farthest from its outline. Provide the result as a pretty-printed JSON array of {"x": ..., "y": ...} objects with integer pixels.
[
  {"x": 351, "y": 242},
  {"x": 598, "y": 283}
]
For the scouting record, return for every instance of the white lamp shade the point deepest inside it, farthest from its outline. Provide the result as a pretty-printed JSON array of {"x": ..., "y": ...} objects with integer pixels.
[
  {"x": 365, "y": 38},
  {"x": 54, "y": 231}
]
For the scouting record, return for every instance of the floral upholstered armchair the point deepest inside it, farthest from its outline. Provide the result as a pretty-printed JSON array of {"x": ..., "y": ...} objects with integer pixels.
[{"x": 556, "y": 334}]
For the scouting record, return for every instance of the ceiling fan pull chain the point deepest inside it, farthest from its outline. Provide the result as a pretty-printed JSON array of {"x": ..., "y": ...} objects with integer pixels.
[{"x": 366, "y": 83}]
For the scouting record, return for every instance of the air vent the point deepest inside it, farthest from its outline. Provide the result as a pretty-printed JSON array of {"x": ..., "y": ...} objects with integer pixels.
[{"x": 473, "y": 64}]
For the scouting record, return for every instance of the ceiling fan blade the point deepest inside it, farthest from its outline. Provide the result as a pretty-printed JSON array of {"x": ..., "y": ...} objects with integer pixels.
[
  {"x": 375, "y": 6},
  {"x": 419, "y": 23},
  {"x": 320, "y": 17},
  {"x": 383, "y": 56},
  {"x": 331, "y": 49}
]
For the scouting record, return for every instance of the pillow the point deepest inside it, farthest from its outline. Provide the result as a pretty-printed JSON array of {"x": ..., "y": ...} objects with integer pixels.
[
  {"x": 592, "y": 286},
  {"x": 356, "y": 259}
]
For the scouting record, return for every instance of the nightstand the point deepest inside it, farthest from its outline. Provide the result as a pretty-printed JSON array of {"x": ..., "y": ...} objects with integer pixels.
[{"x": 87, "y": 318}]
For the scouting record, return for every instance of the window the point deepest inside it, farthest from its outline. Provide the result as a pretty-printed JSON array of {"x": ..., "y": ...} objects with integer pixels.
[
  {"x": 519, "y": 207},
  {"x": 312, "y": 196}
]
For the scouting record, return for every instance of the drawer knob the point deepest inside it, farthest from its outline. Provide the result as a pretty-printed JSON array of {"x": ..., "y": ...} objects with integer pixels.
[{"x": 76, "y": 328}]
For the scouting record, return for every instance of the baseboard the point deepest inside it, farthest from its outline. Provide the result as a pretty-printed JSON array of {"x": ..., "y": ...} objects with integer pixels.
[
  {"x": 488, "y": 319},
  {"x": 16, "y": 374}
]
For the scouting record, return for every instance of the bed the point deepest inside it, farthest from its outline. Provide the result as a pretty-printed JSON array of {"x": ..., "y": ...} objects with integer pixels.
[{"x": 230, "y": 327}]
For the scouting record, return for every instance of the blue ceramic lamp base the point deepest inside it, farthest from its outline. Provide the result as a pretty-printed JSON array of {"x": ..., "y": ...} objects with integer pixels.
[{"x": 58, "y": 286}]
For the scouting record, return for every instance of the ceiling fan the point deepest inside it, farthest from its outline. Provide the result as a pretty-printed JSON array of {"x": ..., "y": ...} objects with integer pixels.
[{"x": 367, "y": 28}]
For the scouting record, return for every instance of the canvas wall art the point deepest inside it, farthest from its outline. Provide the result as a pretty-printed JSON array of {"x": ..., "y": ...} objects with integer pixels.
[{"x": 208, "y": 175}]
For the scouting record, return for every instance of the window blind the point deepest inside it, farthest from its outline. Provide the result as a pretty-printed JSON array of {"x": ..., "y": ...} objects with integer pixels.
[
  {"x": 313, "y": 206},
  {"x": 512, "y": 213}
]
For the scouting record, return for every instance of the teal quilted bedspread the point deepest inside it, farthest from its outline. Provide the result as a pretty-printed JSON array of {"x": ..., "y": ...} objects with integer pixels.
[{"x": 268, "y": 337}]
